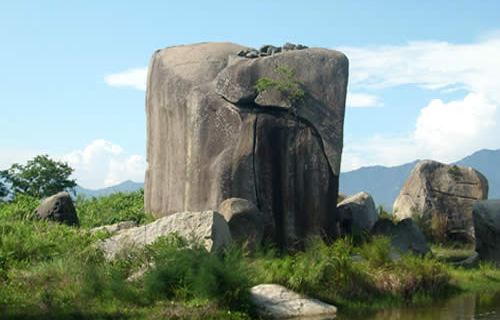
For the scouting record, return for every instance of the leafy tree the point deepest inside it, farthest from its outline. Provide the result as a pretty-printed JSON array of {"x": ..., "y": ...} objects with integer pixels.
[
  {"x": 3, "y": 189},
  {"x": 40, "y": 177}
]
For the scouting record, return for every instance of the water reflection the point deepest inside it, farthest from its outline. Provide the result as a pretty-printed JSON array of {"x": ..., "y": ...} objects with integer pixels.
[{"x": 464, "y": 307}]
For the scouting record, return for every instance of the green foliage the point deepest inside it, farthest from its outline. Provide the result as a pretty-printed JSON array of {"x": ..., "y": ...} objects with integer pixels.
[
  {"x": 382, "y": 214},
  {"x": 3, "y": 188},
  {"x": 285, "y": 83},
  {"x": 377, "y": 252},
  {"x": 191, "y": 272},
  {"x": 21, "y": 208},
  {"x": 94, "y": 212},
  {"x": 40, "y": 177}
]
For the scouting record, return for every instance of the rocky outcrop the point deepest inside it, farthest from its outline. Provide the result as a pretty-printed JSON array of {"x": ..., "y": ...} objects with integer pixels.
[
  {"x": 268, "y": 50},
  {"x": 405, "y": 236},
  {"x": 59, "y": 208},
  {"x": 207, "y": 228},
  {"x": 356, "y": 214},
  {"x": 114, "y": 228},
  {"x": 212, "y": 136},
  {"x": 245, "y": 221},
  {"x": 441, "y": 197},
  {"x": 273, "y": 301},
  {"x": 487, "y": 225}
]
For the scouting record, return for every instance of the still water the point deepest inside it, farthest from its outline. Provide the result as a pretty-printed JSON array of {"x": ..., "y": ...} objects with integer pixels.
[{"x": 485, "y": 306}]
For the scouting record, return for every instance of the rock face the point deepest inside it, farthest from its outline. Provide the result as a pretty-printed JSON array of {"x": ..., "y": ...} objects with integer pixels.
[
  {"x": 273, "y": 301},
  {"x": 405, "y": 235},
  {"x": 207, "y": 228},
  {"x": 58, "y": 207},
  {"x": 212, "y": 136},
  {"x": 442, "y": 197},
  {"x": 356, "y": 213},
  {"x": 487, "y": 225},
  {"x": 245, "y": 221}
]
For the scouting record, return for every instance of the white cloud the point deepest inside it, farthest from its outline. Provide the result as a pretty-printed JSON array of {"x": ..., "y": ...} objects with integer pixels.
[
  {"x": 134, "y": 78},
  {"x": 362, "y": 100},
  {"x": 444, "y": 131},
  {"x": 103, "y": 164}
]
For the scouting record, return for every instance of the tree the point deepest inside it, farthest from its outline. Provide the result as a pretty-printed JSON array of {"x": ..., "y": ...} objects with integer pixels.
[
  {"x": 3, "y": 189},
  {"x": 286, "y": 84},
  {"x": 40, "y": 177}
]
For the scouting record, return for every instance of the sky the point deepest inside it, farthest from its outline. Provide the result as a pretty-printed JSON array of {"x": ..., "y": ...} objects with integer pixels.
[{"x": 423, "y": 84}]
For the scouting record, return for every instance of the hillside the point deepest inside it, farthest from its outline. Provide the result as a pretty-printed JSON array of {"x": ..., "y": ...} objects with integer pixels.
[{"x": 126, "y": 186}]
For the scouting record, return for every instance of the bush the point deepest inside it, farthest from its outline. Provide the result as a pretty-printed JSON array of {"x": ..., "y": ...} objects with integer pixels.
[
  {"x": 191, "y": 272},
  {"x": 21, "y": 208},
  {"x": 94, "y": 212}
]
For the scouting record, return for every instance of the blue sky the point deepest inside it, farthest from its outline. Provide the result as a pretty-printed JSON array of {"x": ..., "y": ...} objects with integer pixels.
[{"x": 423, "y": 83}]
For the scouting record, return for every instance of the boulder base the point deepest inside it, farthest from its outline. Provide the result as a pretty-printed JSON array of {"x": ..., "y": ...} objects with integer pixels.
[
  {"x": 245, "y": 221},
  {"x": 207, "y": 228}
]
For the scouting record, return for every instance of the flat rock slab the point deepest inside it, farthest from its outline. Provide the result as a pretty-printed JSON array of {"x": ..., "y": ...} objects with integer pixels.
[
  {"x": 207, "y": 227},
  {"x": 277, "y": 302}
]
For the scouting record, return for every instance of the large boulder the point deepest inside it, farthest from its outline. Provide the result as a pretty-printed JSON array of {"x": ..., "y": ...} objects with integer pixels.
[
  {"x": 273, "y": 301},
  {"x": 245, "y": 221},
  {"x": 59, "y": 208},
  {"x": 212, "y": 136},
  {"x": 441, "y": 196},
  {"x": 207, "y": 228},
  {"x": 487, "y": 225},
  {"x": 405, "y": 235},
  {"x": 356, "y": 213}
]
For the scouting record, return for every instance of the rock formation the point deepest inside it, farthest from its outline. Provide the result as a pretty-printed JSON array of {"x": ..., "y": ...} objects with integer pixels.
[
  {"x": 245, "y": 221},
  {"x": 213, "y": 136},
  {"x": 487, "y": 226},
  {"x": 405, "y": 235},
  {"x": 207, "y": 228},
  {"x": 356, "y": 214},
  {"x": 59, "y": 208},
  {"x": 441, "y": 197}
]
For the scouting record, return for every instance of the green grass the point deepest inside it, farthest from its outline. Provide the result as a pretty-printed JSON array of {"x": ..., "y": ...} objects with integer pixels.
[{"x": 56, "y": 271}]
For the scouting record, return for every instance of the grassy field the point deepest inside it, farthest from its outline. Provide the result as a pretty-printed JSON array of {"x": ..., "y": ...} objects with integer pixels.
[{"x": 56, "y": 271}]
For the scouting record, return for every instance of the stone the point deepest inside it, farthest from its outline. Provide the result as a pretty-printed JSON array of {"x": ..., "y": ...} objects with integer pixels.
[
  {"x": 252, "y": 54},
  {"x": 208, "y": 139},
  {"x": 114, "y": 228},
  {"x": 59, "y": 208},
  {"x": 441, "y": 196},
  {"x": 207, "y": 228},
  {"x": 273, "y": 301},
  {"x": 356, "y": 214},
  {"x": 245, "y": 221},
  {"x": 405, "y": 236},
  {"x": 289, "y": 46},
  {"x": 487, "y": 226},
  {"x": 341, "y": 197}
]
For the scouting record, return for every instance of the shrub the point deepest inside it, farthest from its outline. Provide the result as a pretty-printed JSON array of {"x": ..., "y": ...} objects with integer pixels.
[
  {"x": 191, "y": 272},
  {"x": 117, "y": 207}
]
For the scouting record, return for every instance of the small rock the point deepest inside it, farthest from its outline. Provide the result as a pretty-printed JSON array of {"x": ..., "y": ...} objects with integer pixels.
[
  {"x": 59, "y": 208},
  {"x": 114, "y": 228},
  {"x": 289, "y": 46},
  {"x": 277, "y": 302},
  {"x": 252, "y": 54}
]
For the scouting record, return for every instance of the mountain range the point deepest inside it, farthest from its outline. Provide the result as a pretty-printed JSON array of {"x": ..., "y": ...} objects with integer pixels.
[{"x": 383, "y": 183}]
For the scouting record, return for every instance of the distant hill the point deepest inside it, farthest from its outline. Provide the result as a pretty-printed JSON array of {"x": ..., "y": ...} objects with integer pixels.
[
  {"x": 126, "y": 186},
  {"x": 384, "y": 183}
]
